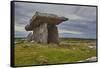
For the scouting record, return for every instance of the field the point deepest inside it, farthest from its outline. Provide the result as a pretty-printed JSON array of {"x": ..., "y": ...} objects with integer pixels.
[{"x": 69, "y": 50}]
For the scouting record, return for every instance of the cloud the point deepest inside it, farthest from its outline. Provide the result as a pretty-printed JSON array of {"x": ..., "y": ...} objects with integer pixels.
[
  {"x": 69, "y": 32},
  {"x": 82, "y": 19},
  {"x": 21, "y": 34},
  {"x": 19, "y": 28}
]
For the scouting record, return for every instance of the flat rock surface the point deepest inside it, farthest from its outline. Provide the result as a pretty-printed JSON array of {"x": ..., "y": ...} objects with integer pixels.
[{"x": 89, "y": 59}]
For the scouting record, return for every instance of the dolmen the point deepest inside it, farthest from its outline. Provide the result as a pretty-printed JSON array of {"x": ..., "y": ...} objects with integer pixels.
[{"x": 44, "y": 27}]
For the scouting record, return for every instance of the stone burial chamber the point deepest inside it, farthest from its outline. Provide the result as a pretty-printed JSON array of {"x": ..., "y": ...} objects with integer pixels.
[{"x": 44, "y": 27}]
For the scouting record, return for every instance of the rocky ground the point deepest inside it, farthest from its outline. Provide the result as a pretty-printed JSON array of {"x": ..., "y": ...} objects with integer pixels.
[{"x": 91, "y": 59}]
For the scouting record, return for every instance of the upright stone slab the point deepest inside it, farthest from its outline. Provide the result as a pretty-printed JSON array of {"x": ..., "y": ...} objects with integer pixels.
[
  {"x": 53, "y": 34},
  {"x": 29, "y": 37},
  {"x": 40, "y": 33}
]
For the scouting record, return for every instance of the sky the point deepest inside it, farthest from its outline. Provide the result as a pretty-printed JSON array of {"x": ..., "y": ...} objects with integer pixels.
[{"x": 81, "y": 23}]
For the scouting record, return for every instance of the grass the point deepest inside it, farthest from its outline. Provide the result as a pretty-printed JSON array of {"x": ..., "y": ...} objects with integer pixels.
[{"x": 28, "y": 53}]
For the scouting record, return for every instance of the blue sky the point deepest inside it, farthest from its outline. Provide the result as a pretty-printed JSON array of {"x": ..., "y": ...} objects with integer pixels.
[{"x": 81, "y": 24}]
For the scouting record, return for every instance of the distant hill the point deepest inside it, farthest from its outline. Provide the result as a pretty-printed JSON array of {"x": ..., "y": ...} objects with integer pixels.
[{"x": 64, "y": 38}]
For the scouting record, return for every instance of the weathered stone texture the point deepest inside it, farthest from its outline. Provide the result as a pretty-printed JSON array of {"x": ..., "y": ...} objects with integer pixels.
[
  {"x": 29, "y": 37},
  {"x": 52, "y": 34},
  {"x": 40, "y": 33}
]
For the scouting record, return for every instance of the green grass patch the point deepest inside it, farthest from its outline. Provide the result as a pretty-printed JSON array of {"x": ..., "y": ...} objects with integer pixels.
[{"x": 28, "y": 53}]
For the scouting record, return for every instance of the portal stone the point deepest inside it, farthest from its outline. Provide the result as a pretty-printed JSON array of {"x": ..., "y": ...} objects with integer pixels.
[
  {"x": 52, "y": 34},
  {"x": 40, "y": 33}
]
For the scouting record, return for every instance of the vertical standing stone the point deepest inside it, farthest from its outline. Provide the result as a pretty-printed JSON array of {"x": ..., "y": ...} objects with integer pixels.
[
  {"x": 29, "y": 37},
  {"x": 53, "y": 34},
  {"x": 40, "y": 33}
]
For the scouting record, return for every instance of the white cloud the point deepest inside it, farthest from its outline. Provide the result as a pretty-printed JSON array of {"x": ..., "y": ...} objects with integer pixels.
[
  {"x": 69, "y": 32},
  {"x": 19, "y": 28}
]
